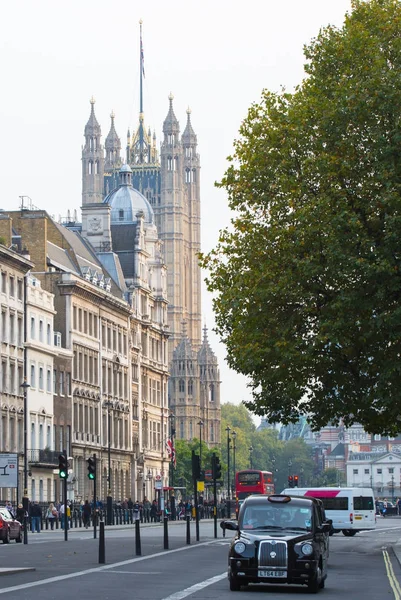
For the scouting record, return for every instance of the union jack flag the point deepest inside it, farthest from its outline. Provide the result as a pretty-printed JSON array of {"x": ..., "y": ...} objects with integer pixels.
[
  {"x": 171, "y": 451},
  {"x": 142, "y": 60}
]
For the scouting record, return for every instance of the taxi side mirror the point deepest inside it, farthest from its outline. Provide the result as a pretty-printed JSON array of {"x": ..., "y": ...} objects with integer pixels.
[
  {"x": 324, "y": 528},
  {"x": 229, "y": 525}
]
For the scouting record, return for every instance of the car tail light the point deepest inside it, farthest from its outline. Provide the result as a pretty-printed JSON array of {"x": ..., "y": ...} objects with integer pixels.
[
  {"x": 1, "y": 523},
  {"x": 351, "y": 517}
]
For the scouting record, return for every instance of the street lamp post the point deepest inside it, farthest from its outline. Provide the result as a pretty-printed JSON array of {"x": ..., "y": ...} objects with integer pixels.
[
  {"x": 25, "y": 499},
  {"x": 200, "y": 423},
  {"x": 234, "y": 436},
  {"x": 250, "y": 456},
  {"x": 228, "y": 429},
  {"x": 172, "y": 458},
  {"x": 109, "y": 482}
]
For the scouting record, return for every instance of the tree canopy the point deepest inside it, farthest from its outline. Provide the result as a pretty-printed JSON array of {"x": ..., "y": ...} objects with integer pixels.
[{"x": 307, "y": 280}]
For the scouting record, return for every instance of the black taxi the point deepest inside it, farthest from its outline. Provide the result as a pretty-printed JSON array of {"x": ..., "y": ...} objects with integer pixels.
[{"x": 279, "y": 539}]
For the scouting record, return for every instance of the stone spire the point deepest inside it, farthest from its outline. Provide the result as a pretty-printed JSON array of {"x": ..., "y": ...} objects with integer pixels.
[
  {"x": 92, "y": 161},
  {"x": 92, "y": 127},
  {"x": 113, "y": 147},
  {"x": 171, "y": 124},
  {"x": 189, "y": 135}
]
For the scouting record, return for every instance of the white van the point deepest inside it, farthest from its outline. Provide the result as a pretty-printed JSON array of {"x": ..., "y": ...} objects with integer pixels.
[{"x": 350, "y": 509}]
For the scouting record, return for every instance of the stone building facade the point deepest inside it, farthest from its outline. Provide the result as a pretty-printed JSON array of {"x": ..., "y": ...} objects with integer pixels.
[
  {"x": 109, "y": 372},
  {"x": 13, "y": 268}
]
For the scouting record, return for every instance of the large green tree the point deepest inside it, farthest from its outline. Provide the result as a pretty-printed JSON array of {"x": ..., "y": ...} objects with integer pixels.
[{"x": 307, "y": 280}]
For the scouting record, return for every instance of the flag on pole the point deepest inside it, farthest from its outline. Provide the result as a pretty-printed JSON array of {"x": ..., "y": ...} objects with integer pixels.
[
  {"x": 171, "y": 451},
  {"x": 142, "y": 60}
]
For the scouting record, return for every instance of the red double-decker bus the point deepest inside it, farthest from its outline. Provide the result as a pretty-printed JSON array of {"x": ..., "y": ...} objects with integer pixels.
[{"x": 252, "y": 481}]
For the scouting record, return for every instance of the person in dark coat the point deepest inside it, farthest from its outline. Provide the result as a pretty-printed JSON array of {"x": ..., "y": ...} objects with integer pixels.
[{"x": 86, "y": 513}]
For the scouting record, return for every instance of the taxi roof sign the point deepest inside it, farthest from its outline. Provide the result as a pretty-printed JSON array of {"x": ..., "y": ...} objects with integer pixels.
[{"x": 279, "y": 498}]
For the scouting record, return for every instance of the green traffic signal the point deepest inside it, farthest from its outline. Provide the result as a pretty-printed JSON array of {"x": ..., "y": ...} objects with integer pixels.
[
  {"x": 91, "y": 467},
  {"x": 62, "y": 466}
]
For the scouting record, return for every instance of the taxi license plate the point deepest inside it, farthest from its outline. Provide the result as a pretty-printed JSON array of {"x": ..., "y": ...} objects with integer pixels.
[
  {"x": 272, "y": 573},
  {"x": 358, "y": 518}
]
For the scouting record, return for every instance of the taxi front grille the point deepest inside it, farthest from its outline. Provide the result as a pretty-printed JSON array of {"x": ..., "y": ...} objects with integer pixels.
[{"x": 272, "y": 554}]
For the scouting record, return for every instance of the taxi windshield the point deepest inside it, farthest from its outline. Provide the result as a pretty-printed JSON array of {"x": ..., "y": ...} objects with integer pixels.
[{"x": 276, "y": 516}]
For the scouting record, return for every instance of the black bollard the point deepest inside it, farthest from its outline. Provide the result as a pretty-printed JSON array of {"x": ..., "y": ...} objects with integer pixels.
[
  {"x": 166, "y": 532},
  {"x": 137, "y": 538},
  {"x": 102, "y": 550},
  {"x": 188, "y": 520}
]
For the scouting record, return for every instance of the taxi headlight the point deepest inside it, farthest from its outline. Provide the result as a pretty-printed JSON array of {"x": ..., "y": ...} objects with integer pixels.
[
  {"x": 239, "y": 547},
  {"x": 307, "y": 549}
]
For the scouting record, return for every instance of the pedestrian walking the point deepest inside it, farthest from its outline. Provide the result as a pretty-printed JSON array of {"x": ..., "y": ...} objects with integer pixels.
[
  {"x": 36, "y": 517},
  {"x": 153, "y": 512},
  {"x": 86, "y": 513},
  {"x": 51, "y": 515},
  {"x": 146, "y": 510}
]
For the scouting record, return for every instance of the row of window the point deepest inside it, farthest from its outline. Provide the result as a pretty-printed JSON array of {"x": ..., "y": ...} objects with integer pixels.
[
  {"x": 189, "y": 389},
  {"x": 12, "y": 438},
  {"x": 85, "y": 321},
  {"x": 11, "y": 377},
  {"x": 86, "y": 426},
  {"x": 12, "y": 327},
  {"x": 114, "y": 339},
  {"x": 41, "y": 378},
  {"x": 11, "y": 286},
  {"x": 378, "y": 471},
  {"x": 37, "y": 331}
]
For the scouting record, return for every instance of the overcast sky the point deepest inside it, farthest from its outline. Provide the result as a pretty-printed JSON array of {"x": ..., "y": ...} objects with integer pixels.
[{"x": 215, "y": 57}]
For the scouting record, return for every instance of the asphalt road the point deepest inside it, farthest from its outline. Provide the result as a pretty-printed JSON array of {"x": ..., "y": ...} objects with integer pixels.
[{"x": 361, "y": 568}]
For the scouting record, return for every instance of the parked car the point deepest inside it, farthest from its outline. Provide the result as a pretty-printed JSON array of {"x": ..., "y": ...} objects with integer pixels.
[
  {"x": 10, "y": 528},
  {"x": 279, "y": 539}
]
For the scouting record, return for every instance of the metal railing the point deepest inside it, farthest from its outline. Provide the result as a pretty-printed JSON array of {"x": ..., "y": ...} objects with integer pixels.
[{"x": 44, "y": 457}]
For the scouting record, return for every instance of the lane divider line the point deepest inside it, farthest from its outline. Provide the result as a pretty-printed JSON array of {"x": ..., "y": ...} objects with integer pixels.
[
  {"x": 197, "y": 587},
  {"x": 395, "y": 586},
  {"x": 130, "y": 561}
]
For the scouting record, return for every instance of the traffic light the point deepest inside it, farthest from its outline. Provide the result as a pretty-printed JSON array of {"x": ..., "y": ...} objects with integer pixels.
[
  {"x": 196, "y": 470},
  {"x": 296, "y": 480},
  {"x": 91, "y": 467},
  {"x": 62, "y": 466},
  {"x": 290, "y": 481},
  {"x": 216, "y": 467}
]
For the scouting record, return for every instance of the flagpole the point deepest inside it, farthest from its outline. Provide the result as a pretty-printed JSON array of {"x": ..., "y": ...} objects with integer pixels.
[{"x": 140, "y": 94}]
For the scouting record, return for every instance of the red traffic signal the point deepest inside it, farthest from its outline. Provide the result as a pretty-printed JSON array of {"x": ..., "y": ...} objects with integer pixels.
[
  {"x": 290, "y": 481},
  {"x": 296, "y": 480}
]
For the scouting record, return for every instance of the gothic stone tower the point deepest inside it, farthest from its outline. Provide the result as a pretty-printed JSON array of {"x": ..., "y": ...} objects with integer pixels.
[{"x": 171, "y": 184}]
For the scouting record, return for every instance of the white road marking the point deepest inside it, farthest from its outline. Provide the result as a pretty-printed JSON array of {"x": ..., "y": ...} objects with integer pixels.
[
  {"x": 123, "y": 563},
  {"x": 139, "y": 572},
  {"x": 196, "y": 588}
]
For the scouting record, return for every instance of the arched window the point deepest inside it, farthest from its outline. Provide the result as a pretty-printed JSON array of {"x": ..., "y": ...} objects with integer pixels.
[
  {"x": 97, "y": 167},
  {"x": 169, "y": 163},
  {"x": 190, "y": 387},
  {"x": 182, "y": 385},
  {"x": 193, "y": 175},
  {"x": 211, "y": 396},
  {"x": 90, "y": 167},
  {"x": 121, "y": 215}
]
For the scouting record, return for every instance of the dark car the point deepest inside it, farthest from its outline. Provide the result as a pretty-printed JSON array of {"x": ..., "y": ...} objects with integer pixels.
[
  {"x": 10, "y": 528},
  {"x": 279, "y": 539}
]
